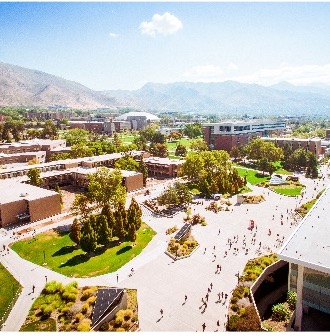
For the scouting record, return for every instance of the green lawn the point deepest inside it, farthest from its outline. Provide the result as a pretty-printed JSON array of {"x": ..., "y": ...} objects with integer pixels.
[
  {"x": 252, "y": 176},
  {"x": 280, "y": 169},
  {"x": 8, "y": 289},
  {"x": 62, "y": 257},
  {"x": 288, "y": 190}
]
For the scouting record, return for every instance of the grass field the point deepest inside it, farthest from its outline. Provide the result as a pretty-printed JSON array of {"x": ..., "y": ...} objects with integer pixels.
[
  {"x": 47, "y": 325},
  {"x": 8, "y": 289},
  {"x": 252, "y": 176},
  {"x": 280, "y": 169},
  {"x": 61, "y": 256},
  {"x": 288, "y": 190}
]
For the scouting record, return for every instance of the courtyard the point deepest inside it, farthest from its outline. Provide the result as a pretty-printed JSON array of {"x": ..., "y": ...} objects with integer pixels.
[{"x": 162, "y": 283}]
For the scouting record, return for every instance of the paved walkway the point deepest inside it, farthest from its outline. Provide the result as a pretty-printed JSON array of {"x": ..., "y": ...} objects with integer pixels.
[{"x": 162, "y": 283}]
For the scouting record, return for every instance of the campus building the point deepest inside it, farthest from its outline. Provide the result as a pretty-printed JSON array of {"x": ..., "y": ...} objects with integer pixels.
[
  {"x": 308, "y": 252},
  {"x": 138, "y": 120},
  {"x": 227, "y": 134},
  {"x": 162, "y": 167},
  {"x": 21, "y": 202},
  {"x": 313, "y": 145},
  {"x": 7, "y": 159}
]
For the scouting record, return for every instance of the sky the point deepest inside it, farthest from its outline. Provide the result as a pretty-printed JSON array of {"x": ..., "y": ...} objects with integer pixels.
[{"x": 123, "y": 45}]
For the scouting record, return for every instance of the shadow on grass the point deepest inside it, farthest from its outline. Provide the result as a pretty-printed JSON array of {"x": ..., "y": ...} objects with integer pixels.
[
  {"x": 124, "y": 249},
  {"x": 76, "y": 260},
  {"x": 64, "y": 250}
]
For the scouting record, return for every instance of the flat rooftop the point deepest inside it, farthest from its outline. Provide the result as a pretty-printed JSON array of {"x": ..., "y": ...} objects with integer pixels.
[
  {"x": 290, "y": 139},
  {"x": 165, "y": 161},
  {"x": 309, "y": 244},
  {"x": 86, "y": 170},
  {"x": 12, "y": 191}
]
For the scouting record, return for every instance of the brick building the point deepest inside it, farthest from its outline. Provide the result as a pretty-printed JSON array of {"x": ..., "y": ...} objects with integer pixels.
[
  {"x": 313, "y": 145},
  {"x": 163, "y": 167},
  {"x": 92, "y": 126},
  {"x": 7, "y": 159},
  {"x": 21, "y": 202},
  {"x": 227, "y": 134}
]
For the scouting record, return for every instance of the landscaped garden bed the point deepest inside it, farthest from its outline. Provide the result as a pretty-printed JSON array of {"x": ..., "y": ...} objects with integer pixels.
[
  {"x": 242, "y": 315},
  {"x": 181, "y": 249},
  {"x": 69, "y": 308},
  {"x": 253, "y": 199},
  {"x": 56, "y": 251}
]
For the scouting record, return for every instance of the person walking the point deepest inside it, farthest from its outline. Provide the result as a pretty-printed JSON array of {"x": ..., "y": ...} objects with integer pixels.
[
  {"x": 211, "y": 285},
  {"x": 207, "y": 296},
  {"x": 161, "y": 312},
  {"x": 117, "y": 278},
  {"x": 204, "y": 326},
  {"x": 218, "y": 323},
  {"x": 185, "y": 298}
]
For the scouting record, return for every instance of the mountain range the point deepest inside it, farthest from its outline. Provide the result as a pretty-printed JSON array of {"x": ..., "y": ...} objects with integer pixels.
[{"x": 26, "y": 87}]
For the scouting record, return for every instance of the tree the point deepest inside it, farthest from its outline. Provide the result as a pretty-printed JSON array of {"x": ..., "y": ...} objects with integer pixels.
[
  {"x": 107, "y": 212},
  {"x": 88, "y": 240},
  {"x": 119, "y": 230},
  {"x": 257, "y": 149},
  {"x": 76, "y": 136},
  {"x": 117, "y": 140},
  {"x": 34, "y": 176},
  {"x": 105, "y": 188},
  {"x": 104, "y": 232},
  {"x": 81, "y": 150},
  {"x": 81, "y": 206},
  {"x": 127, "y": 163},
  {"x": 75, "y": 232},
  {"x": 193, "y": 130},
  {"x": 50, "y": 130},
  {"x": 58, "y": 190},
  {"x": 181, "y": 150},
  {"x": 235, "y": 153},
  {"x": 198, "y": 145},
  {"x": 144, "y": 170},
  {"x": 134, "y": 215}
]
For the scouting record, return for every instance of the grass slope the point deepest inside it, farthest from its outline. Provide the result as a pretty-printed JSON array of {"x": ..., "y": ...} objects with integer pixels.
[
  {"x": 61, "y": 256},
  {"x": 8, "y": 289}
]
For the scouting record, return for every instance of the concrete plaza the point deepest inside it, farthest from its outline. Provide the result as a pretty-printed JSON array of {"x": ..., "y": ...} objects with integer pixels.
[{"x": 163, "y": 283}]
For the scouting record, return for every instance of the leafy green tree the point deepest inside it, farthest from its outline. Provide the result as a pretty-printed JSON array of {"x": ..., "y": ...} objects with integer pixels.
[
  {"x": 127, "y": 163},
  {"x": 181, "y": 150},
  {"x": 235, "y": 153},
  {"x": 75, "y": 232},
  {"x": 88, "y": 241},
  {"x": 34, "y": 176},
  {"x": 76, "y": 136},
  {"x": 81, "y": 206},
  {"x": 193, "y": 130},
  {"x": 199, "y": 145},
  {"x": 258, "y": 149},
  {"x": 50, "y": 130},
  {"x": 144, "y": 170},
  {"x": 81, "y": 150},
  {"x": 104, "y": 232},
  {"x": 105, "y": 187},
  {"x": 117, "y": 140}
]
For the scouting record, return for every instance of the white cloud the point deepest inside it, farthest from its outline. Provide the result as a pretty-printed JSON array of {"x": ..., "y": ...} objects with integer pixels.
[
  {"x": 113, "y": 35},
  {"x": 232, "y": 67},
  {"x": 299, "y": 75},
  {"x": 165, "y": 24}
]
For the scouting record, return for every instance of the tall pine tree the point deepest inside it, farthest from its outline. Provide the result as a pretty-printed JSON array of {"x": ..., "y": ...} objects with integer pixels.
[
  {"x": 120, "y": 221},
  {"x": 104, "y": 232},
  {"x": 88, "y": 240},
  {"x": 75, "y": 232},
  {"x": 108, "y": 213}
]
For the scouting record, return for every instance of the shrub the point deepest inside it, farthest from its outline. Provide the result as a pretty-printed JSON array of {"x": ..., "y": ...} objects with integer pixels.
[
  {"x": 79, "y": 317},
  {"x": 234, "y": 307},
  {"x": 91, "y": 300},
  {"x": 85, "y": 325},
  {"x": 84, "y": 308},
  {"x": 280, "y": 312},
  {"x": 242, "y": 311},
  {"x": 232, "y": 322},
  {"x": 119, "y": 320},
  {"x": 104, "y": 327},
  {"x": 46, "y": 310},
  {"x": 87, "y": 293},
  {"x": 234, "y": 299},
  {"x": 249, "y": 321},
  {"x": 53, "y": 287},
  {"x": 120, "y": 329},
  {"x": 292, "y": 299},
  {"x": 68, "y": 296},
  {"x": 65, "y": 310}
]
